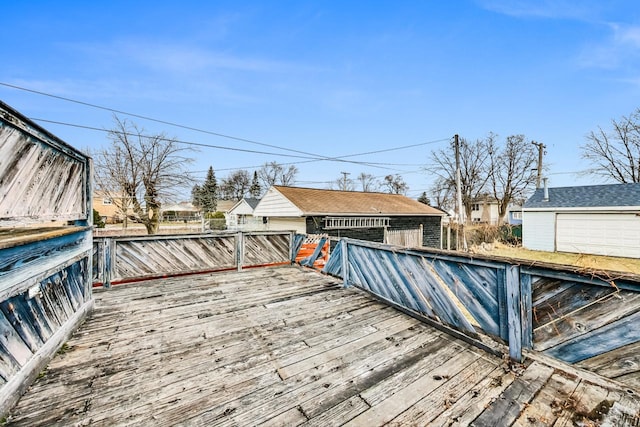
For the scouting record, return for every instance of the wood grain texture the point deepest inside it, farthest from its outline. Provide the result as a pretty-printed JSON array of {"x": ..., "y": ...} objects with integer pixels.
[
  {"x": 276, "y": 346},
  {"x": 39, "y": 181}
]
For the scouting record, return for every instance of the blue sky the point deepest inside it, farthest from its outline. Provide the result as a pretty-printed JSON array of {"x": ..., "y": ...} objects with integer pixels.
[{"x": 332, "y": 78}]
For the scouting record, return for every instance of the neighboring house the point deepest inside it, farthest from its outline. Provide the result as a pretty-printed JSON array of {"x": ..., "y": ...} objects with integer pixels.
[
  {"x": 353, "y": 214},
  {"x": 594, "y": 219},
  {"x": 484, "y": 211},
  {"x": 515, "y": 215},
  {"x": 183, "y": 211},
  {"x": 108, "y": 208},
  {"x": 240, "y": 216},
  {"x": 225, "y": 206}
]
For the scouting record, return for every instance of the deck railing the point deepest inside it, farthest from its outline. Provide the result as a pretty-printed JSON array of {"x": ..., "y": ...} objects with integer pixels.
[
  {"x": 45, "y": 248},
  {"x": 580, "y": 317},
  {"x": 122, "y": 259}
]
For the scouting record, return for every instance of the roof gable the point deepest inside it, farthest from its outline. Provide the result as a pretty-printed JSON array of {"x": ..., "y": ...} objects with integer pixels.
[
  {"x": 588, "y": 196},
  {"x": 311, "y": 201},
  {"x": 245, "y": 206},
  {"x": 274, "y": 203}
]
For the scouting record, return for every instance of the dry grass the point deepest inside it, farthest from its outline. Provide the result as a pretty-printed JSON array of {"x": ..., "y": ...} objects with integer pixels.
[{"x": 593, "y": 262}]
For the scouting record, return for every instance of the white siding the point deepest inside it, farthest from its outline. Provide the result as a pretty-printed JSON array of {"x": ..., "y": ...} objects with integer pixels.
[
  {"x": 242, "y": 208},
  {"x": 275, "y": 204},
  {"x": 539, "y": 230},
  {"x": 298, "y": 225},
  {"x": 614, "y": 234}
]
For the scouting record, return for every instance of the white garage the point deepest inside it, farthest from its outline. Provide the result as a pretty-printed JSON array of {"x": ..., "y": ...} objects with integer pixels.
[
  {"x": 614, "y": 234},
  {"x": 597, "y": 219}
]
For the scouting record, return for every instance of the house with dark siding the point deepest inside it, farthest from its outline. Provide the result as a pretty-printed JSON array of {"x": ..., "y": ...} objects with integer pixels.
[{"x": 352, "y": 214}]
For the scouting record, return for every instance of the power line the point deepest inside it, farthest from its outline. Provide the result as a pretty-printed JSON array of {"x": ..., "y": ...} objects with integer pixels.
[
  {"x": 198, "y": 144},
  {"x": 308, "y": 158},
  {"x": 140, "y": 116}
]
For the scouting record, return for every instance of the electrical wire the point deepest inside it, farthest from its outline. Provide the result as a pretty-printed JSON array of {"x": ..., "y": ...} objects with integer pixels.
[
  {"x": 113, "y": 110},
  {"x": 306, "y": 156}
]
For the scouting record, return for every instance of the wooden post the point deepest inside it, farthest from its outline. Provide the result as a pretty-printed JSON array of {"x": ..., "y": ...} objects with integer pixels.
[
  {"x": 541, "y": 148},
  {"x": 240, "y": 250},
  {"x": 108, "y": 252},
  {"x": 514, "y": 311},
  {"x": 526, "y": 310},
  {"x": 461, "y": 218},
  {"x": 292, "y": 235},
  {"x": 345, "y": 263}
]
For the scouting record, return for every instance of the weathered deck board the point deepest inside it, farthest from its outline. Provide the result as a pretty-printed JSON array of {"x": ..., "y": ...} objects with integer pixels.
[{"x": 287, "y": 346}]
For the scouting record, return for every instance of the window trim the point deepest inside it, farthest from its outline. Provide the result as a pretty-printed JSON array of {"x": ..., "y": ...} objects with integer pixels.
[{"x": 351, "y": 222}]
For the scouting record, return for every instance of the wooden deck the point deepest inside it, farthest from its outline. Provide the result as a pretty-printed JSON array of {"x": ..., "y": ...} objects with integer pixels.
[{"x": 287, "y": 346}]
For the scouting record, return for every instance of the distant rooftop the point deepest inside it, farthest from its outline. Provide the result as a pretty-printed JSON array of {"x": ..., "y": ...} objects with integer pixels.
[
  {"x": 251, "y": 201},
  {"x": 335, "y": 202},
  {"x": 613, "y": 195}
]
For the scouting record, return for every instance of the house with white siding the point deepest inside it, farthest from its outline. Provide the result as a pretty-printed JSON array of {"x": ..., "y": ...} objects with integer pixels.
[
  {"x": 354, "y": 214},
  {"x": 592, "y": 219},
  {"x": 240, "y": 216}
]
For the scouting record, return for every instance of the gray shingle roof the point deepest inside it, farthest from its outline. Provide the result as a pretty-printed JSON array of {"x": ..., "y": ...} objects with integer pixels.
[
  {"x": 587, "y": 196},
  {"x": 253, "y": 202}
]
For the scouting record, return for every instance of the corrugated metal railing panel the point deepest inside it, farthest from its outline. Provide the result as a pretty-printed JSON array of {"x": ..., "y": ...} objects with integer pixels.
[{"x": 41, "y": 179}]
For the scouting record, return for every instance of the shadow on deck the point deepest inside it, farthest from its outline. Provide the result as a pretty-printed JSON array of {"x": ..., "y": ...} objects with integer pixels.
[{"x": 290, "y": 346}]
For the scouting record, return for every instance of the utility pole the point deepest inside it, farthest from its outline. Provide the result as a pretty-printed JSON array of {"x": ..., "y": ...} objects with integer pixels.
[
  {"x": 541, "y": 152},
  {"x": 461, "y": 220},
  {"x": 344, "y": 180}
]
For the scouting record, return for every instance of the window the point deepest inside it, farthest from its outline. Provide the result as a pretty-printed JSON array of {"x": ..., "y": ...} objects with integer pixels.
[
  {"x": 516, "y": 215},
  {"x": 355, "y": 222},
  {"x": 475, "y": 207},
  {"x": 107, "y": 201}
]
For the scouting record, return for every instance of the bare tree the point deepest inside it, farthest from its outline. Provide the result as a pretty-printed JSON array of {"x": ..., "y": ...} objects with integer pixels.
[
  {"x": 616, "y": 153},
  {"x": 273, "y": 173},
  {"x": 444, "y": 194},
  {"x": 344, "y": 183},
  {"x": 395, "y": 184},
  {"x": 138, "y": 171},
  {"x": 473, "y": 169},
  {"x": 367, "y": 182},
  {"x": 236, "y": 185},
  {"x": 511, "y": 170}
]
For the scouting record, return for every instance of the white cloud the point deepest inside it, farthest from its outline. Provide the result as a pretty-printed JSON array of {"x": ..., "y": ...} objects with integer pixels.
[
  {"x": 176, "y": 57},
  {"x": 548, "y": 9},
  {"x": 619, "y": 49}
]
